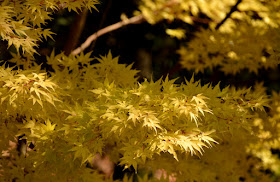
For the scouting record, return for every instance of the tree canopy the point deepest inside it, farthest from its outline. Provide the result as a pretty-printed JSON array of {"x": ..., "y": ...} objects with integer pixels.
[{"x": 62, "y": 108}]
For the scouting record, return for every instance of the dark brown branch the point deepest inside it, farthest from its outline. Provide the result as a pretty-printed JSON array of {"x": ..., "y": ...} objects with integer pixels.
[
  {"x": 101, "y": 23},
  {"x": 133, "y": 20},
  {"x": 76, "y": 31},
  {"x": 233, "y": 9}
]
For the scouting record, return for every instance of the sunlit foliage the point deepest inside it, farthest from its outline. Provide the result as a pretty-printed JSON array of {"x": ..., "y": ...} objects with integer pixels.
[{"x": 88, "y": 106}]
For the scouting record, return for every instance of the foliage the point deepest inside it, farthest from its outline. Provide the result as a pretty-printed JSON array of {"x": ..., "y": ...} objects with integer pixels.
[
  {"x": 88, "y": 106},
  {"x": 21, "y": 22},
  {"x": 226, "y": 46}
]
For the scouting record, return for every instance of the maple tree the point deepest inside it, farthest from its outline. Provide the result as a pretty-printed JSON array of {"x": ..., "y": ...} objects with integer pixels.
[{"x": 63, "y": 117}]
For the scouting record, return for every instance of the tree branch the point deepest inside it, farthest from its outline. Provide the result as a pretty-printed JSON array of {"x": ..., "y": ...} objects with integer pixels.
[
  {"x": 133, "y": 20},
  {"x": 76, "y": 31},
  {"x": 233, "y": 9},
  {"x": 101, "y": 23}
]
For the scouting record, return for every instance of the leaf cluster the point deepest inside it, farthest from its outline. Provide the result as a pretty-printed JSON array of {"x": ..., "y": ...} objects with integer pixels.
[
  {"x": 22, "y": 22},
  {"x": 224, "y": 44}
]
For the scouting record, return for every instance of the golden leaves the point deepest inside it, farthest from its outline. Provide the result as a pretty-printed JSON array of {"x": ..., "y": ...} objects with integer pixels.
[
  {"x": 109, "y": 68},
  {"x": 178, "y": 33},
  {"x": 20, "y": 22},
  {"x": 25, "y": 86},
  {"x": 230, "y": 50},
  {"x": 247, "y": 40}
]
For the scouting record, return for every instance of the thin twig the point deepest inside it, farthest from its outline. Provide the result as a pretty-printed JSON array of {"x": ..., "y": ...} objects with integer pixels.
[
  {"x": 133, "y": 20},
  {"x": 233, "y": 9}
]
